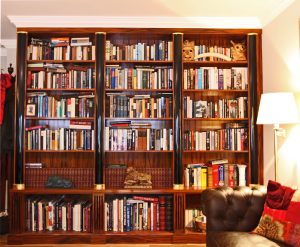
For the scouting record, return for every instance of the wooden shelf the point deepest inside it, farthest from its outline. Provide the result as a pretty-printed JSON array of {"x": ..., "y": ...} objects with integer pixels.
[
  {"x": 60, "y": 61},
  {"x": 140, "y": 90},
  {"x": 216, "y": 63},
  {"x": 212, "y": 91},
  {"x": 154, "y": 62},
  {"x": 215, "y": 119},
  {"x": 138, "y": 119},
  {"x": 48, "y": 191},
  {"x": 59, "y": 151},
  {"x": 61, "y": 90},
  {"x": 139, "y": 151},
  {"x": 61, "y": 118},
  {"x": 215, "y": 151}
]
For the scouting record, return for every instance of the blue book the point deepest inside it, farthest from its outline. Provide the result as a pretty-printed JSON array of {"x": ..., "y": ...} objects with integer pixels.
[
  {"x": 200, "y": 85},
  {"x": 221, "y": 175},
  {"x": 46, "y": 107}
]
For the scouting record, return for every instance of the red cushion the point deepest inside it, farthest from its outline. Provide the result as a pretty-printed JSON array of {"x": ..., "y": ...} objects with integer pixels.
[{"x": 281, "y": 224}]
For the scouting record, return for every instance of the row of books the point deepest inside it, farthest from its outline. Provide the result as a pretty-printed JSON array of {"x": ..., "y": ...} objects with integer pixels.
[
  {"x": 159, "y": 50},
  {"x": 222, "y": 108},
  {"x": 117, "y": 77},
  {"x": 40, "y": 138},
  {"x": 61, "y": 41},
  {"x": 140, "y": 106},
  {"x": 67, "y": 106},
  {"x": 213, "y": 175},
  {"x": 202, "y": 48},
  {"x": 235, "y": 139},
  {"x": 61, "y": 53},
  {"x": 37, "y": 175},
  {"x": 216, "y": 78},
  {"x": 138, "y": 139},
  {"x": 139, "y": 213},
  {"x": 61, "y": 49},
  {"x": 58, "y": 214},
  {"x": 73, "y": 78}
]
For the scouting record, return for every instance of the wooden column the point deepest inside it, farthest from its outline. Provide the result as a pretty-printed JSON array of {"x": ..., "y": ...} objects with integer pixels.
[
  {"x": 177, "y": 39},
  {"x": 19, "y": 110},
  {"x": 99, "y": 104},
  {"x": 253, "y": 106}
]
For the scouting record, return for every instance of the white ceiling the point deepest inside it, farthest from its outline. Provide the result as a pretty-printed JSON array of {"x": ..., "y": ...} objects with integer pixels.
[{"x": 138, "y": 13}]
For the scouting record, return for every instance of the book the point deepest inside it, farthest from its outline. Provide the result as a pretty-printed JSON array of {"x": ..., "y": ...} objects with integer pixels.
[{"x": 82, "y": 125}]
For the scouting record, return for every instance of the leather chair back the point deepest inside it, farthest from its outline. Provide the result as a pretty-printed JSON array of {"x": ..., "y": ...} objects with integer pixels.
[{"x": 233, "y": 209}]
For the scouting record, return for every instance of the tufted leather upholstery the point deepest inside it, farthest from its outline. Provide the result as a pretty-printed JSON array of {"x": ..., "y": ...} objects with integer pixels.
[{"x": 232, "y": 213}]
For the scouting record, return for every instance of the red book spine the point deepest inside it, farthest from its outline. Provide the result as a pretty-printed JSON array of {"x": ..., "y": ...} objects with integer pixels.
[{"x": 215, "y": 175}]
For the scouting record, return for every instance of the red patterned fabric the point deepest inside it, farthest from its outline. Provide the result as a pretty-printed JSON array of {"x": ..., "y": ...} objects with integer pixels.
[
  {"x": 281, "y": 224},
  {"x": 5, "y": 83}
]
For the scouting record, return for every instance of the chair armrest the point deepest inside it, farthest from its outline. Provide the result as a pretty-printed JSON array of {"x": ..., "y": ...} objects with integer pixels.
[{"x": 233, "y": 209}]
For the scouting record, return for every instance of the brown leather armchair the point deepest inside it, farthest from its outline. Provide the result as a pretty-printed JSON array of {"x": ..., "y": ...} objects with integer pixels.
[{"x": 232, "y": 213}]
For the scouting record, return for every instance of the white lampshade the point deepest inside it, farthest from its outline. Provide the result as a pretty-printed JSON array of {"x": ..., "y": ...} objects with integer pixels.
[{"x": 277, "y": 108}]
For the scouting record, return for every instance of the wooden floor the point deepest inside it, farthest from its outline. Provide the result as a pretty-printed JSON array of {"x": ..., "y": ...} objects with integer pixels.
[{"x": 4, "y": 243}]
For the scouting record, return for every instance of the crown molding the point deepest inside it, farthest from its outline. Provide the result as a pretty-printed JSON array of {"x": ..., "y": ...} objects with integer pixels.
[
  {"x": 135, "y": 21},
  {"x": 274, "y": 12},
  {"x": 9, "y": 43}
]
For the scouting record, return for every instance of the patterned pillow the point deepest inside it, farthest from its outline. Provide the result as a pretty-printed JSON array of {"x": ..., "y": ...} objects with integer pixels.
[{"x": 281, "y": 223}]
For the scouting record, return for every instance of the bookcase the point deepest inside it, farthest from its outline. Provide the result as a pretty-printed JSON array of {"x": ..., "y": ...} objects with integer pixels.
[{"x": 94, "y": 103}]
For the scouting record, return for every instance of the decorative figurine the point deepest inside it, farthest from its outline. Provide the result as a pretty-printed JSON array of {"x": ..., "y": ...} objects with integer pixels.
[
  {"x": 238, "y": 51},
  {"x": 188, "y": 50},
  {"x": 135, "y": 179}
]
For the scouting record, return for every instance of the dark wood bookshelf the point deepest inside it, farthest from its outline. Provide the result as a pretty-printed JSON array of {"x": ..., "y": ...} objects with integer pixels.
[{"x": 166, "y": 167}]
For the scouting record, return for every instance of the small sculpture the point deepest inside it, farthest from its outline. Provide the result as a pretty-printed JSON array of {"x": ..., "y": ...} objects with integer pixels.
[
  {"x": 135, "y": 179},
  {"x": 58, "y": 182},
  {"x": 238, "y": 51},
  {"x": 188, "y": 50}
]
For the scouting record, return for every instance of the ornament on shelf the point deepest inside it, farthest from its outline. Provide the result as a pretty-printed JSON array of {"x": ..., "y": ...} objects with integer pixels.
[
  {"x": 188, "y": 50},
  {"x": 136, "y": 180},
  {"x": 238, "y": 51}
]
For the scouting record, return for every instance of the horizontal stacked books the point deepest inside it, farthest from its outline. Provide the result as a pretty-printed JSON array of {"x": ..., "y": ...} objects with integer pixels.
[
  {"x": 215, "y": 78},
  {"x": 140, "y": 106},
  {"x": 139, "y": 213},
  {"x": 125, "y": 136},
  {"x": 158, "y": 50},
  {"x": 45, "y": 75},
  {"x": 66, "y": 106},
  {"x": 79, "y": 136},
  {"x": 222, "y": 108},
  {"x": 235, "y": 139},
  {"x": 61, "y": 49},
  {"x": 213, "y": 174},
  {"x": 37, "y": 177},
  {"x": 59, "y": 213},
  {"x": 117, "y": 77}
]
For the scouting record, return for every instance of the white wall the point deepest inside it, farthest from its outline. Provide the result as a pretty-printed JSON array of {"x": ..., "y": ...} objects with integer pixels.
[{"x": 281, "y": 72}]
